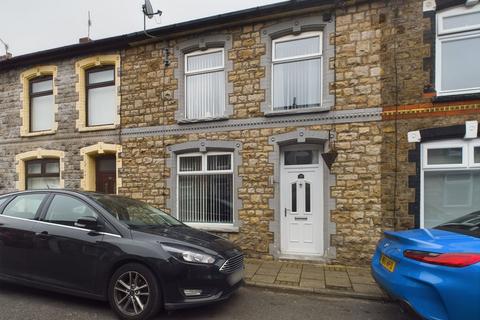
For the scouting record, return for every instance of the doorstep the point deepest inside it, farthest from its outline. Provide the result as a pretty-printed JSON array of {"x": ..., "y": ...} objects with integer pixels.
[{"x": 330, "y": 280}]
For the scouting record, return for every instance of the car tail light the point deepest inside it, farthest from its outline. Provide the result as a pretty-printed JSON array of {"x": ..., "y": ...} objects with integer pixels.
[{"x": 457, "y": 260}]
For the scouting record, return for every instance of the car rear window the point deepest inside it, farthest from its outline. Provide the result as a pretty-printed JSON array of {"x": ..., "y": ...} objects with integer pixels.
[{"x": 468, "y": 225}]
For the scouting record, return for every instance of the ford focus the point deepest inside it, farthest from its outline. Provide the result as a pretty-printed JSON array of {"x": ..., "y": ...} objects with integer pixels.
[{"x": 113, "y": 248}]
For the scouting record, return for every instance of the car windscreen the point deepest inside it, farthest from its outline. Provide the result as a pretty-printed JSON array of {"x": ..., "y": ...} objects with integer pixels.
[
  {"x": 135, "y": 213},
  {"x": 468, "y": 225}
]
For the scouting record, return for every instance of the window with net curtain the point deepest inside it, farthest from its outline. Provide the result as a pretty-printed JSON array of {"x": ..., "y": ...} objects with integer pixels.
[
  {"x": 42, "y": 174},
  {"x": 101, "y": 96},
  {"x": 205, "y": 84},
  {"x": 297, "y": 71},
  {"x": 451, "y": 180},
  {"x": 205, "y": 188},
  {"x": 42, "y": 115},
  {"x": 458, "y": 47}
]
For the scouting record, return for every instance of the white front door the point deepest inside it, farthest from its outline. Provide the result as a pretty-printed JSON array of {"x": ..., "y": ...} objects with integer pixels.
[{"x": 302, "y": 206}]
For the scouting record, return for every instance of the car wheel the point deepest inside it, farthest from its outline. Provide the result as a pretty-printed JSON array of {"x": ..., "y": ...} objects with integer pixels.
[{"x": 134, "y": 293}]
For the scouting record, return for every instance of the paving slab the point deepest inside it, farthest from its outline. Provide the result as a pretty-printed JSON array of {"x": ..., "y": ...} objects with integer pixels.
[
  {"x": 316, "y": 284},
  {"x": 290, "y": 277},
  {"x": 329, "y": 280},
  {"x": 338, "y": 282},
  {"x": 367, "y": 288},
  {"x": 362, "y": 279},
  {"x": 263, "y": 278}
]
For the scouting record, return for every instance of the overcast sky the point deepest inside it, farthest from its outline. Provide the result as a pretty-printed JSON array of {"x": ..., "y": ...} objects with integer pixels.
[{"x": 34, "y": 25}]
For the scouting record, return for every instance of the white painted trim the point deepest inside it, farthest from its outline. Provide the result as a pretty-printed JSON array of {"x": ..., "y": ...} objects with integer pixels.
[{"x": 414, "y": 136}]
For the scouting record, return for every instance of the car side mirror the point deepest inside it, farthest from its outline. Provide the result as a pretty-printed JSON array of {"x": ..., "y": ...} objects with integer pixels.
[{"x": 90, "y": 223}]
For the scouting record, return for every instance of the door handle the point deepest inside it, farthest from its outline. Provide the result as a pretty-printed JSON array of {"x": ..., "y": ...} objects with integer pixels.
[
  {"x": 286, "y": 211},
  {"x": 43, "y": 235},
  {"x": 301, "y": 218}
]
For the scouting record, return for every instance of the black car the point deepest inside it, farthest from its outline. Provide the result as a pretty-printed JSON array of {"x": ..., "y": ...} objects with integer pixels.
[{"x": 113, "y": 248}]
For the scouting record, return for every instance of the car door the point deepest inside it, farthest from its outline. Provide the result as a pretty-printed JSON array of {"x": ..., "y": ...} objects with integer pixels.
[
  {"x": 66, "y": 255},
  {"x": 16, "y": 232}
]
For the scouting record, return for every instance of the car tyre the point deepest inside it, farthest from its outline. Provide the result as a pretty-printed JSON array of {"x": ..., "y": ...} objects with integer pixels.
[{"x": 134, "y": 292}]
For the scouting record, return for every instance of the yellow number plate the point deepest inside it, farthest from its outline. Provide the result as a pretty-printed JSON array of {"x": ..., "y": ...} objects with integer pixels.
[{"x": 387, "y": 263}]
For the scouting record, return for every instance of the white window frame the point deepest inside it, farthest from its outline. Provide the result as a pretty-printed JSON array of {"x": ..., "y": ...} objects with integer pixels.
[
  {"x": 188, "y": 73},
  {"x": 467, "y": 165},
  {"x": 204, "y": 225},
  {"x": 453, "y": 35},
  {"x": 471, "y": 158},
  {"x": 444, "y": 145},
  {"x": 319, "y": 55},
  {"x": 453, "y": 12}
]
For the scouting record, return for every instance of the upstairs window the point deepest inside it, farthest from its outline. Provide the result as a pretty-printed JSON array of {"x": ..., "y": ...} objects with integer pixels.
[
  {"x": 205, "y": 188},
  {"x": 205, "y": 84},
  {"x": 101, "y": 96},
  {"x": 297, "y": 71},
  {"x": 42, "y": 107},
  {"x": 458, "y": 47}
]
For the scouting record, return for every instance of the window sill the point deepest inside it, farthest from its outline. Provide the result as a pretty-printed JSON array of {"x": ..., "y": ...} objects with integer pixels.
[
  {"x": 456, "y": 97},
  {"x": 38, "y": 134},
  {"x": 188, "y": 121},
  {"x": 296, "y": 111},
  {"x": 228, "y": 228},
  {"x": 98, "y": 128}
]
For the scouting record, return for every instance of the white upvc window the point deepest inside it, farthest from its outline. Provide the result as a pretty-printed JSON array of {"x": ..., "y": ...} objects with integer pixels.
[
  {"x": 205, "y": 84},
  {"x": 450, "y": 180},
  {"x": 205, "y": 189},
  {"x": 457, "y": 51},
  {"x": 297, "y": 71}
]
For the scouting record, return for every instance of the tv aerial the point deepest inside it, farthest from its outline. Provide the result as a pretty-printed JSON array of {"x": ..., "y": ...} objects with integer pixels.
[
  {"x": 5, "y": 45},
  {"x": 149, "y": 13}
]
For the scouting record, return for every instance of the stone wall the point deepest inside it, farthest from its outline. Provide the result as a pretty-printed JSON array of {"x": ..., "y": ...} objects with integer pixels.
[
  {"x": 357, "y": 192},
  {"x": 65, "y": 139}
]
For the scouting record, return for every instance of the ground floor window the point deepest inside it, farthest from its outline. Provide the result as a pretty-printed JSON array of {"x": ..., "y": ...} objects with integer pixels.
[
  {"x": 450, "y": 180},
  {"x": 42, "y": 174},
  {"x": 205, "y": 188}
]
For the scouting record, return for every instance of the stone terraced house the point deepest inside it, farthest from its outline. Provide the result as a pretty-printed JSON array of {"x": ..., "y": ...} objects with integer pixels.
[{"x": 299, "y": 130}]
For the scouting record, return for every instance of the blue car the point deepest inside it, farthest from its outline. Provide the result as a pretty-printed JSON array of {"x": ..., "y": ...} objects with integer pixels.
[{"x": 434, "y": 273}]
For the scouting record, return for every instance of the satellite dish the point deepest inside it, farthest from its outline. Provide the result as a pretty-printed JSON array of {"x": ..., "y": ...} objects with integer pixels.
[{"x": 148, "y": 10}]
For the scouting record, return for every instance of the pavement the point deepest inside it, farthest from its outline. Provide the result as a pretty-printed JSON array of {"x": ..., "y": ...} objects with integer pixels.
[
  {"x": 20, "y": 303},
  {"x": 330, "y": 280}
]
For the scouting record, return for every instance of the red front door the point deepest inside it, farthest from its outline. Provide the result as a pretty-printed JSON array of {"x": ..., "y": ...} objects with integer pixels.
[{"x": 106, "y": 174}]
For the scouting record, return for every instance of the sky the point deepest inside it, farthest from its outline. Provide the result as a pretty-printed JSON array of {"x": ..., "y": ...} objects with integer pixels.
[{"x": 34, "y": 25}]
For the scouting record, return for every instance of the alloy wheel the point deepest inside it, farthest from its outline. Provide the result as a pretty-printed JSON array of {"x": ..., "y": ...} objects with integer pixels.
[{"x": 131, "y": 293}]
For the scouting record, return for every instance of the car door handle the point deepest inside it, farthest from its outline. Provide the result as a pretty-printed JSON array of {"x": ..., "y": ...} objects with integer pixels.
[{"x": 43, "y": 235}]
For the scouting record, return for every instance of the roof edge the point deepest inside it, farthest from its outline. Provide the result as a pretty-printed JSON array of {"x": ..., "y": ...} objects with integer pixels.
[{"x": 291, "y": 7}]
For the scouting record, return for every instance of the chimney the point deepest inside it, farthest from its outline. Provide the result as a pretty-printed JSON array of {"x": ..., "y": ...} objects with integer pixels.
[
  {"x": 84, "y": 40},
  {"x": 6, "y": 56}
]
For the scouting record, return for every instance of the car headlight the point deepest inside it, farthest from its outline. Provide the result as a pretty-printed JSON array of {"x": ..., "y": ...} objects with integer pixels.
[{"x": 189, "y": 255}]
